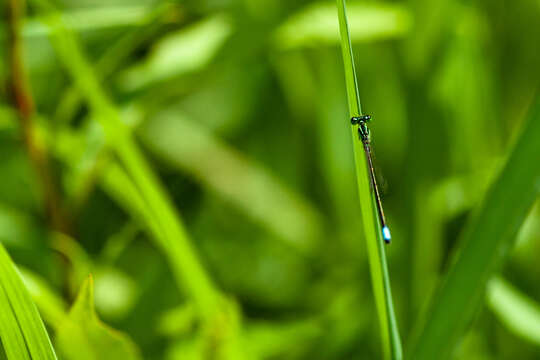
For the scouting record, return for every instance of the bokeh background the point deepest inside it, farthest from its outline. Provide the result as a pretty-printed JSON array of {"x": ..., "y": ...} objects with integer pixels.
[{"x": 239, "y": 108}]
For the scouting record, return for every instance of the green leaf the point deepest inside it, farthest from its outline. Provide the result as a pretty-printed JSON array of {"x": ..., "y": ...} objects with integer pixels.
[
  {"x": 22, "y": 332},
  {"x": 317, "y": 24},
  {"x": 97, "y": 18},
  {"x": 82, "y": 336},
  {"x": 519, "y": 313},
  {"x": 115, "y": 291},
  {"x": 186, "y": 50},
  {"x": 486, "y": 244},
  {"x": 80, "y": 261}
]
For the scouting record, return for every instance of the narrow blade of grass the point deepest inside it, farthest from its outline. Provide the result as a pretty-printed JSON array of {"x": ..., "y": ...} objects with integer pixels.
[
  {"x": 376, "y": 252},
  {"x": 486, "y": 244},
  {"x": 175, "y": 242},
  {"x": 173, "y": 239},
  {"x": 317, "y": 24},
  {"x": 22, "y": 331},
  {"x": 115, "y": 56},
  {"x": 50, "y": 304},
  {"x": 10, "y": 332}
]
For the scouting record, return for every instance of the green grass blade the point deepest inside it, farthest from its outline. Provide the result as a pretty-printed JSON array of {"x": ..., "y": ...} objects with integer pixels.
[
  {"x": 114, "y": 57},
  {"x": 10, "y": 332},
  {"x": 486, "y": 243},
  {"x": 22, "y": 331},
  {"x": 117, "y": 183},
  {"x": 174, "y": 240},
  {"x": 50, "y": 304},
  {"x": 176, "y": 244},
  {"x": 376, "y": 252}
]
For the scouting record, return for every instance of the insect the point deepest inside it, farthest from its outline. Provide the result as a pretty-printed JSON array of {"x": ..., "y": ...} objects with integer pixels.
[{"x": 363, "y": 134}]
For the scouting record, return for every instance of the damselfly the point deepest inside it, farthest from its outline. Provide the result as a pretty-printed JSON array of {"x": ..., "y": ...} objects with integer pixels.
[{"x": 363, "y": 134}]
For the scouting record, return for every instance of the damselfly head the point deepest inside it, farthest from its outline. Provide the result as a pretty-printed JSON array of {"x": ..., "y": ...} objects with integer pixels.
[{"x": 360, "y": 119}]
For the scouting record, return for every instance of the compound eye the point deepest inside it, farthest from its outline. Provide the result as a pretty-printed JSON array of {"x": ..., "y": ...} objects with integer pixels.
[{"x": 366, "y": 117}]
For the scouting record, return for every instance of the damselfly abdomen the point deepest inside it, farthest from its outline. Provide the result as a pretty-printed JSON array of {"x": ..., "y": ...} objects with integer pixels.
[{"x": 363, "y": 134}]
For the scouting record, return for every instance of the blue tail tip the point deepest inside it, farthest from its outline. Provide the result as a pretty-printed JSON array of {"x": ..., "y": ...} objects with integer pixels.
[{"x": 386, "y": 234}]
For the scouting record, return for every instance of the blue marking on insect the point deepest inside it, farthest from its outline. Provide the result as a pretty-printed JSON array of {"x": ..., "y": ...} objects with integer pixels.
[{"x": 386, "y": 234}]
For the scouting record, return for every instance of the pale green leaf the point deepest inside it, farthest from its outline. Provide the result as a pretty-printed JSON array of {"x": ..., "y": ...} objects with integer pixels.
[
  {"x": 317, "y": 24},
  {"x": 95, "y": 18},
  {"x": 82, "y": 336},
  {"x": 186, "y": 50},
  {"x": 519, "y": 313}
]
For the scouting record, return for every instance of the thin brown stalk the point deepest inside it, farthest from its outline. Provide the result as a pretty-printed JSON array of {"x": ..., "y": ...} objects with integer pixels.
[{"x": 23, "y": 102}]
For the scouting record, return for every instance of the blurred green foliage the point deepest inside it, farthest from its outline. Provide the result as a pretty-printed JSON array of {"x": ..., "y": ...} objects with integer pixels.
[{"x": 204, "y": 170}]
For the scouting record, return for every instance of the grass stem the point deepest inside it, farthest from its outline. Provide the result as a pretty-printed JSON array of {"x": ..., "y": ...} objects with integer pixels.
[
  {"x": 23, "y": 102},
  {"x": 376, "y": 252}
]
